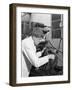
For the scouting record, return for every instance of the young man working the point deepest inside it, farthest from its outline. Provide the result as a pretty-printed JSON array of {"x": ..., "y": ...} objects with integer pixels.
[{"x": 29, "y": 49}]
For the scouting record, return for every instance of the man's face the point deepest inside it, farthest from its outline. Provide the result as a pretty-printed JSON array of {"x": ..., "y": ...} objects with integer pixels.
[{"x": 37, "y": 40}]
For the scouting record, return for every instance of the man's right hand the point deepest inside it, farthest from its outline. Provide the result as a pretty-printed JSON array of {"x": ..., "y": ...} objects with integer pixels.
[{"x": 51, "y": 56}]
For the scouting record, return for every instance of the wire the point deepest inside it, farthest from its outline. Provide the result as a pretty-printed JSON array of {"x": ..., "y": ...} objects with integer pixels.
[{"x": 54, "y": 47}]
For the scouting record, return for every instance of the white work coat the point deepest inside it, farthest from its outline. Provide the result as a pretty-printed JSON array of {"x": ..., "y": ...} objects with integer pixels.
[{"x": 29, "y": 49}]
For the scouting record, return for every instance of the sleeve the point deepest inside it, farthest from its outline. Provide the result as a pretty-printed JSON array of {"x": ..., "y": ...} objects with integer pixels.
[
  {"x": 30, "y": 53},
  {"x": 33, "y": 58},
  {"x": 35, "y": 61}
]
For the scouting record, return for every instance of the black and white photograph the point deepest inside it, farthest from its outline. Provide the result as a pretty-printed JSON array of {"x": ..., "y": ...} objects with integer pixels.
[{"x": 40, "y": 44}]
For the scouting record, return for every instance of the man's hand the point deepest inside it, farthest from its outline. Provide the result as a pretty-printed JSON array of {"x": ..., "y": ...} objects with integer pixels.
[
  {"x": 39, "y": 54},
  {"x": 51, "y": 56}
]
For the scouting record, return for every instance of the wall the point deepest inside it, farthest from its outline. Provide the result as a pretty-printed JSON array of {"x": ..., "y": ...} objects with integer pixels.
[
  {"x": 42, "y": 18},
  {"x": 4, "y": 45}
]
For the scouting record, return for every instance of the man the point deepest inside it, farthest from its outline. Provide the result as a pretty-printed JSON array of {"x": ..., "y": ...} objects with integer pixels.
[{"x": 29, "y": 49}]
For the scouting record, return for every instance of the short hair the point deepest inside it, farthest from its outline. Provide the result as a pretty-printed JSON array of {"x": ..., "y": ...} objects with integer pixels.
[{"x": 37, "y": 33}]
